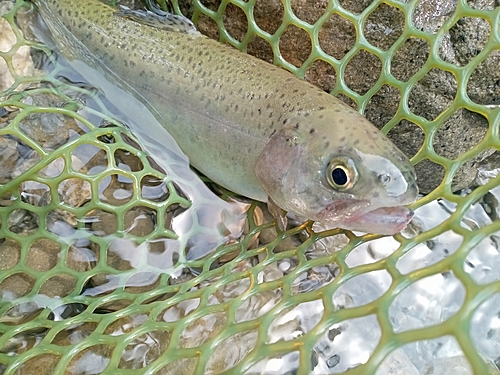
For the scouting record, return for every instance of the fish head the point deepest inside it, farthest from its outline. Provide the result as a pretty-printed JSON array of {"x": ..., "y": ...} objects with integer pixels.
[{"x": 333, "y": 166}]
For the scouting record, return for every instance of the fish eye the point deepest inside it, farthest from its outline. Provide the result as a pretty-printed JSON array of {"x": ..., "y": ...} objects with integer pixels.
[{"x": 341, "y": 173}]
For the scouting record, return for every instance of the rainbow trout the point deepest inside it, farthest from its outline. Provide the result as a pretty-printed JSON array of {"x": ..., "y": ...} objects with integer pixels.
[{"x": 249, "y": 126}]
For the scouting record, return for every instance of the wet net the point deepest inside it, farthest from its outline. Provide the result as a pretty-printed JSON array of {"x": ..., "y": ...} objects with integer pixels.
[{"x": 95, "y": 277}]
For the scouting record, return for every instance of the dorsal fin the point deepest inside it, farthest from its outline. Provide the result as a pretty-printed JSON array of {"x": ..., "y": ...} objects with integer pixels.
[{"x": 160, "y": 20}]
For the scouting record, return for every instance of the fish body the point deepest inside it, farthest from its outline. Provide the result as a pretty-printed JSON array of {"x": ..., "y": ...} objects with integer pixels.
[{"x": 248, "y": 125}]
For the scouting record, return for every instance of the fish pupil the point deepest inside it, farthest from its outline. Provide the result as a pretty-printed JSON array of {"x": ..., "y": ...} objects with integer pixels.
[{"x": 339, "y": 176}]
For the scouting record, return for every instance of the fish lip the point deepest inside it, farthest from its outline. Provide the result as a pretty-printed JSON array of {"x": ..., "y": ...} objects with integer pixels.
[
  {"x": 384, "y": 220},
  {"x": 381, "y": 220}
]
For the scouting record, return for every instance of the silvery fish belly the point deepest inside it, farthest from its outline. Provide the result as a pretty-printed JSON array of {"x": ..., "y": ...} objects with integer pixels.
[{"x": 249, "y": 126}]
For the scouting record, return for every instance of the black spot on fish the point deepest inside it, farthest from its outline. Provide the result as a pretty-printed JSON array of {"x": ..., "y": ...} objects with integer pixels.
[
  {"x": 375, "y": 195},
  {"x": 327, "y": 144},
  {"x": 342, "y": 140},
  {"x": 312, "y": 131},
  {"x": 321, "y": 108},
  {"x": 341, "y": 121},
  {"x": 306, "y": 114},
  {"x": 273, "y": 133},
  {"x": 296, "y": 126},
  {"x": 321, "y": 116}
]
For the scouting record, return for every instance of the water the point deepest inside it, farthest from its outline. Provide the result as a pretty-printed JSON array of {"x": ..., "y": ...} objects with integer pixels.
[{"x": 425, "y": 301}]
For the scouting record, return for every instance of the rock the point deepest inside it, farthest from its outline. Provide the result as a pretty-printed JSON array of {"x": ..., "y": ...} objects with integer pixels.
[
  {"x": 59, "y": 285},
  {"x": 458, "y": 365},
  {"x": 397, "y": 363},
  {"x": 9, "y": 156},
  {"x": 49, "y": 130},
  {"x": 74, "y": 334},
  {"x": 81, "y": 256},
  {"x": 43, "y": 254},
  {"x": 15, "y": 286},
  {"x": 10, "y": 253},
  {"x": 42, "y": 364},
  {"x": 433, "y": 94},
  {"x": 74, "y": 192},
  {"x": 15, "y": 158},
  {"x": 21, "y": 59},
  {"x": 91, "y": 360}
]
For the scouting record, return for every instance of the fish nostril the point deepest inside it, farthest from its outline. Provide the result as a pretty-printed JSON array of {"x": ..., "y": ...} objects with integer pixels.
[{"x": 384, "y": 178}]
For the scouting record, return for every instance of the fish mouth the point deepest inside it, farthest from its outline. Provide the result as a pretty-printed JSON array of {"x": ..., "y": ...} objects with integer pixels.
[{"x": 382, "y": 220}]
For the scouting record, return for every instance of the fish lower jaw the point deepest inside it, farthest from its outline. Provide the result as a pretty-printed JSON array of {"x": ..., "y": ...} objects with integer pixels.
[{"x": 383, "y": 220}]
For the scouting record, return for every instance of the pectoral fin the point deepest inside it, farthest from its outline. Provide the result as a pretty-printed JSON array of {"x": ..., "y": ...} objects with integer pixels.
[{"x": 278, "y": 213}]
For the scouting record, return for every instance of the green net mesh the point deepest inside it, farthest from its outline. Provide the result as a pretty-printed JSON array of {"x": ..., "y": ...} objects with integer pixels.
[{"x": 76, "y": 188}]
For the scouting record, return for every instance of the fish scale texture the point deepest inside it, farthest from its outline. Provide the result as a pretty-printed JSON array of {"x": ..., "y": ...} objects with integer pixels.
[{"x": 304, "y": 301}]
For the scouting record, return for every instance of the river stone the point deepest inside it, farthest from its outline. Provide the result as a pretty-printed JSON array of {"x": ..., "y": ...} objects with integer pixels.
[
  {"x": 21, "y": 59},
  {"x": 429, "y": 97},
  {"x": 42, "y": 364}
]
